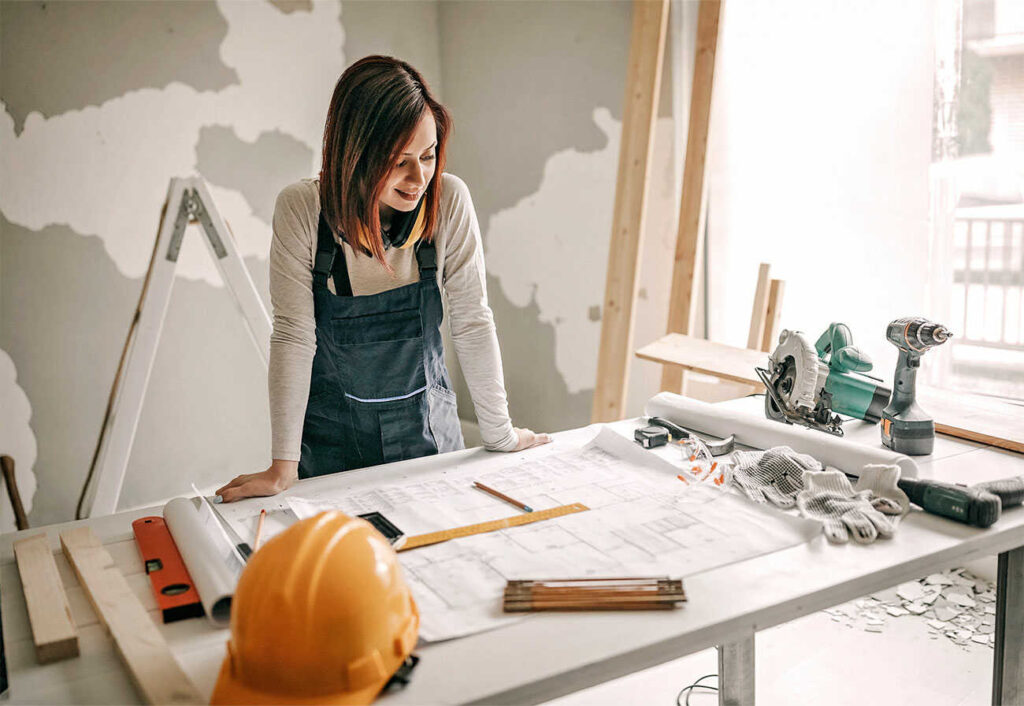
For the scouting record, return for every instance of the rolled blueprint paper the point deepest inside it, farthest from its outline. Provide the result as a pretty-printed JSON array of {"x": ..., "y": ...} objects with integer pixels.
[
  {"x": 207, "y": 554},
  {"x": 762, "y": 433}
]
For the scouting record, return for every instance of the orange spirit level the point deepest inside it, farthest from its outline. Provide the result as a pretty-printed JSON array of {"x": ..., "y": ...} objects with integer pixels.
[{"x": 172, "y": 586}]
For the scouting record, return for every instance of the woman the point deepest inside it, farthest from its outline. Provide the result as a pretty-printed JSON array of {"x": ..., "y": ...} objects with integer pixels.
[{"x": 357, "y": 264}]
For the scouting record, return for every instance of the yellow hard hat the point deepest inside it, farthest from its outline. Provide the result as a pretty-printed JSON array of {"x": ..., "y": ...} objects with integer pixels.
[{"x": 321, "y": 615}]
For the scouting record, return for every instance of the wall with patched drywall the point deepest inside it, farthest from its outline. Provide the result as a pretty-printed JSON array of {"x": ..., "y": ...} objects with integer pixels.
[
  {"x": 537, "y": 93},
  {"x": 104, "y": 102}
]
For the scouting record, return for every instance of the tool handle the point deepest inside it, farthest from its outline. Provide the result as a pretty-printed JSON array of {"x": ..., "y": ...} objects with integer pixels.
[
  {"x": 20, "y": 518},
  {"x": 968, "y": 505},
  {"x": 1009, "y": 490}
]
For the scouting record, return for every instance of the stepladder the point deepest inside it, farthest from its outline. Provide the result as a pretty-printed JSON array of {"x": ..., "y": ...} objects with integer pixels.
[{"x": 188, "y": 202}]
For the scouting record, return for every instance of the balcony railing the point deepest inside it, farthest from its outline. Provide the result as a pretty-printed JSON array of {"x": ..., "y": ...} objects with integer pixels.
[{"x": 988, "y": 282}]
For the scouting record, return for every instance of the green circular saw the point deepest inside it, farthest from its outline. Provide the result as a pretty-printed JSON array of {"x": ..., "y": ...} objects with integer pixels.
[{"x": 813, "y": 385}]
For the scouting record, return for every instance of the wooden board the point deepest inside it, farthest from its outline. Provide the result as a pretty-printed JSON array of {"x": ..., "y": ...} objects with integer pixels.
[
  {"x": 698, "y": 355},
  {"x": 771, "y": 323},
  {"x": 975, "y": 418},
  {"x": 157, "y": 675},
  {"x": 643, "y": 81},
  {"x": 689, "y": 236},
  {"x": 759, "y": 312},
  {"x": 423, "y": 540},
  {"x": 53, "y": 630}
]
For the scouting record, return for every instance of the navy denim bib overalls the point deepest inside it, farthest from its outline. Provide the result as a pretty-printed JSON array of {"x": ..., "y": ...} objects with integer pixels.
[{"x": 379, "y": 389}]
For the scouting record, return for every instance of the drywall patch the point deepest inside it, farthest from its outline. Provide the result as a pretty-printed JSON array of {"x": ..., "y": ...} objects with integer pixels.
[
  {"x": 290, "y": 6},
  {"x": 16, "y": 441},
  {"x": 552, "y": 246},
  {"x": 106, "y": 49},
  {"x": 65, "y": 312},
  {"x": 126, "y": 149},
  {"x": 258, "y": 170},
  {"x": 537, "y": 394}
]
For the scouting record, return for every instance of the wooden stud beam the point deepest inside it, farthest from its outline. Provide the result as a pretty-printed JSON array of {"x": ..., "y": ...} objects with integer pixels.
[
  {"x": 53, "y": 630},
  {"x": 689, "y": 238},
  {"x": 771, "y": 318},
  {"x": 759, "y": 313},
  {"x": 643, "y": 83},
  {"x": 155, "y": 672}
]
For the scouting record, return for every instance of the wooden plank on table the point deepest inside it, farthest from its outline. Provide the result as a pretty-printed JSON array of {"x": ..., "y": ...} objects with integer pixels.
[
  {"x": 771, "y": 319},
  {"x": 759, "y": 312},
  {"x": 975, "y": 418},
  {"x": 699, "y": 355},
  {"x": 142, "y": 647},
  {"x": 49, "y": 614},
  {"x": 643, "y": 81},
  {"x": 689, "y": 237}
]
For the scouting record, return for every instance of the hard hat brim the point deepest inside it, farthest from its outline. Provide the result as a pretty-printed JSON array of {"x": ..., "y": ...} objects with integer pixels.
[{"x": 229, "y": 690}]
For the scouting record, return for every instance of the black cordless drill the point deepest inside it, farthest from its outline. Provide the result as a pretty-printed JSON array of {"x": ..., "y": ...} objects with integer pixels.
[
  {"x": 906, "y": 427},
  {"x": 979, "y": 505}
]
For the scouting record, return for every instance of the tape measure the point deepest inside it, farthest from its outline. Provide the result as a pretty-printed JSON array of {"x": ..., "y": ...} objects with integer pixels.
[{"x": 422, "y": 540}]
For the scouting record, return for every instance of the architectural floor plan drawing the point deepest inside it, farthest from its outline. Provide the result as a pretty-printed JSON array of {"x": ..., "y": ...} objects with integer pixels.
[{"x": 642, "y": 521}]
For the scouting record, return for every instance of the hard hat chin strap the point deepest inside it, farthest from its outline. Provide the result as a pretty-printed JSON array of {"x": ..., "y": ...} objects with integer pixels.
[{"x": 403, "y": 674}]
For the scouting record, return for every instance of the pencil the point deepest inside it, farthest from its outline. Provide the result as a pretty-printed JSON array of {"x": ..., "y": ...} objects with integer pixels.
[
  {"x": 259, "y": 530},
  {"x": 502, "y": 496}
]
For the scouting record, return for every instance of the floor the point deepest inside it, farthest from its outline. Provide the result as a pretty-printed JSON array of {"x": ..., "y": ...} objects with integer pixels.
[{"x": 816, "y": 660}]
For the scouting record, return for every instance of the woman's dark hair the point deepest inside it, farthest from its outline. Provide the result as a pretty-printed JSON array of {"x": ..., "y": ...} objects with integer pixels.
[{"x": 376, "y": 106}]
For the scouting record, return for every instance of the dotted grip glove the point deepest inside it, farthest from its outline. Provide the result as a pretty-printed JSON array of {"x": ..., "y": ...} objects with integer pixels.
[
  {"x": 845, "y": 512},
  {"x": 775, "y": 475}
]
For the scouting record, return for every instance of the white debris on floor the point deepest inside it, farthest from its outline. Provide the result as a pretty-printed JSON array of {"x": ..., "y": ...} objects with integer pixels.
[{"x": 955, "y": 604}]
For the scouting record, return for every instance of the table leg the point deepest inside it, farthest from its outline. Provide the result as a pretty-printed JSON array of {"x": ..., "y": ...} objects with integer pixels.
[
  {"x": 736, "y": 673},
  {"x": 1008, "y": 670}
]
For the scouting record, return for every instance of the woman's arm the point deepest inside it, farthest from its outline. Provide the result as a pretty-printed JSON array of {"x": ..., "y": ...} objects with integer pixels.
[
  {"x": 472, "y": 322},
  {"x": 292, "y": 343},
  {"x": 293, "y": 340}
]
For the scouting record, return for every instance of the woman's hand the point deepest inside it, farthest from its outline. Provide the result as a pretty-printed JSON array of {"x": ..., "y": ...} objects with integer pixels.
[
  {"x": 272, "y": 481},
  {"x": 528, "y": 439}
]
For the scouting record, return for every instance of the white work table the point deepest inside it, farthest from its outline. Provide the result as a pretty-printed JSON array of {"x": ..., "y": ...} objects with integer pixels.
[{"x": 549, "y": 655}]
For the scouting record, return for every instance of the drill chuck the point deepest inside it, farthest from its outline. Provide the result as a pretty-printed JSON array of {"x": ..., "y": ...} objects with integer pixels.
[{"x": 916, "y": 334}]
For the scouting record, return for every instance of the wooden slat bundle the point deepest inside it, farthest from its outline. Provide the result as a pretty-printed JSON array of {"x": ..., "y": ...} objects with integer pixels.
[{"x": 632, "y": 593}]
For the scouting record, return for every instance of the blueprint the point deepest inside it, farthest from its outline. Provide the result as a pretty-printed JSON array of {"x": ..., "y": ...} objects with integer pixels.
[{"x": 642, "y": 521}]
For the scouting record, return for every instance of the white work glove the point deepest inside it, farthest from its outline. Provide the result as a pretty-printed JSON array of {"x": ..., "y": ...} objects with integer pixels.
[
  {"x": 886, "y": 496},
  {"x": 775, "y": 475},
  {"x": 829, "y": 497}
]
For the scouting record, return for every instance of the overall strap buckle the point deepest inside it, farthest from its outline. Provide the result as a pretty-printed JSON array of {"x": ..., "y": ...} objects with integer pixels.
[{"x": 426, "y": 258}]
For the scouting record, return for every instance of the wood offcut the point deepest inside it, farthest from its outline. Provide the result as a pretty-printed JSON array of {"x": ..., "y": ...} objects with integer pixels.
[
  {"x": 157, "y": 675},
  {"x": 53, "y": 630}
]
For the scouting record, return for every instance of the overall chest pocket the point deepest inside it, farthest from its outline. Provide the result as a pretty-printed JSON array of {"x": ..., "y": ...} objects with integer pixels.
[
  {"x": 380, "y": 356},
  {"x": 377, "y": 328}
]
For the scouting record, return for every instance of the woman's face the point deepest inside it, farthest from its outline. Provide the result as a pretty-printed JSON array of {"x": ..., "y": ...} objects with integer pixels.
[{"x": 406, "y": 182}]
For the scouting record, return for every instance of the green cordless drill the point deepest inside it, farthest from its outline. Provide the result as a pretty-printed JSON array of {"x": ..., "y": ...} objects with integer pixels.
[
  {"x": 906, "y": 428},
  {"x": 979, "y": 505}
]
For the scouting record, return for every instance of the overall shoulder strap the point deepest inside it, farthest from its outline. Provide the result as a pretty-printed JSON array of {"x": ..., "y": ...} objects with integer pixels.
[
  {"x": 330, "y": 261},
  {"x": 426, "y": 258}
]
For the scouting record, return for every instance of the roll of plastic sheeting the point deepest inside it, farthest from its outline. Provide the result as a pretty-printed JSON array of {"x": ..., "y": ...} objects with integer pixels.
[
  {"x": 761, "y": 433},
  {"x": 209, "y": 557}
]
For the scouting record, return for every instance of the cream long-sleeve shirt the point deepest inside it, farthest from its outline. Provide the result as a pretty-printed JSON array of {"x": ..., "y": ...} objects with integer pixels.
[{"x": 460, "y": 273}]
